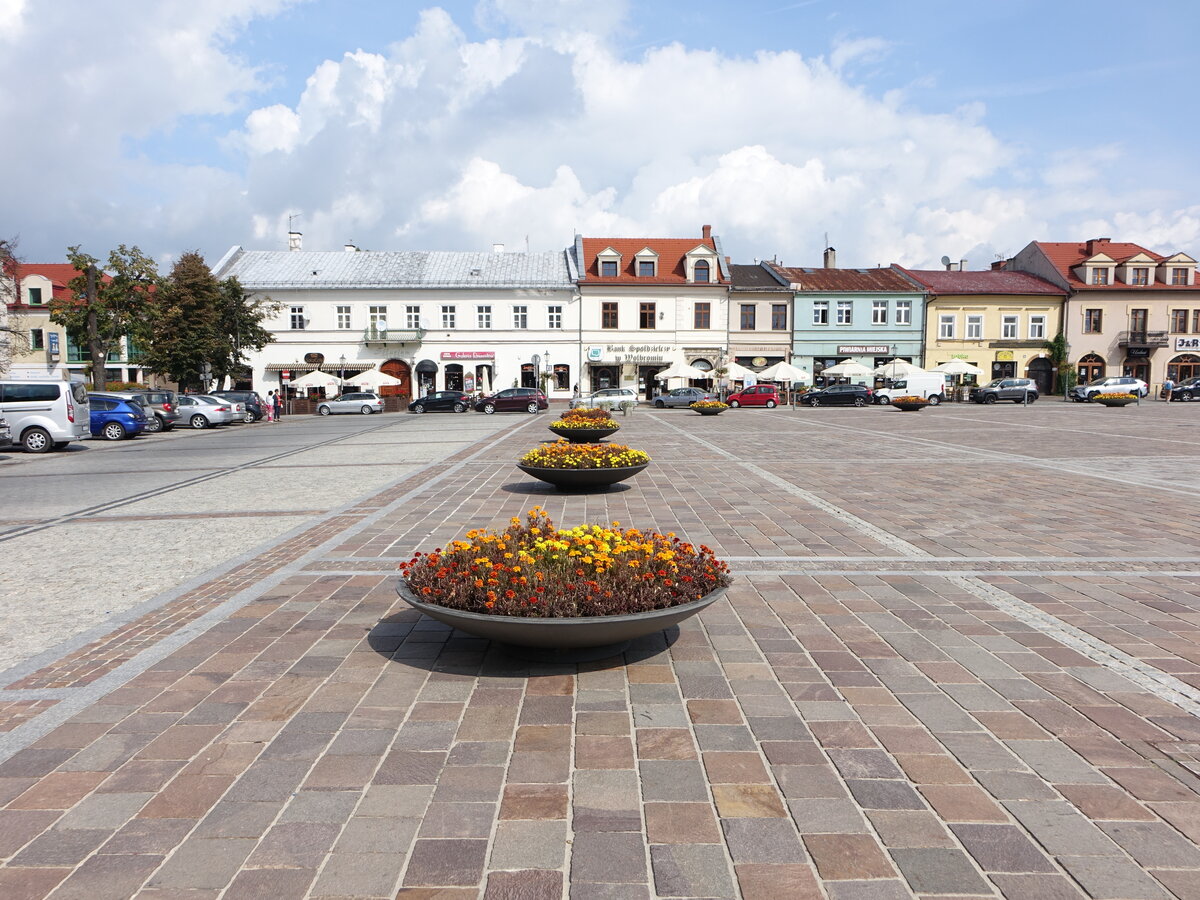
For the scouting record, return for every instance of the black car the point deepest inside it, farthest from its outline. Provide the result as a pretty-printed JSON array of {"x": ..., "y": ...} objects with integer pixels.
[
  {"x": 511, "y": 399},
  {"x": 442, "y": 401},
  {"x": 253, "y": 402},
  {"x": 1187, "y": 390},
  {"x": 839, "y": 395}
]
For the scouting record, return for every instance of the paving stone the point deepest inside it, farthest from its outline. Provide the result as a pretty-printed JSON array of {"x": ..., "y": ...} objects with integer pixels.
[
  {"x": 747, "y": 800},
  {"x": 910, "y": 828},
  {"x": 690, "y": 870},
  {"x": 938, "y": 871},
  {"x": 868, "y": 890},
  {"x": 670, "y": 779},
  {"x": 665, "y": 743},
  {"x": 603, "y": 857},
  {"x": 58, "y": 847},
  {"x": 884, "y": 794},
  {"x": 681, "y": 823},
  {"x": 767, "y": 841},
  {"x": 1002, "y": 848},
  {"x": 30, "y": 884},
  {"x": 109, "y": 811},
  {"x": 446, "y": 862},
  {"x": 201, "y": 863},
  {"x": 864, "y": 764},
  {"x": 1059, "y": 828},
  {"x": 529, "y": 844},
  {"x": 767, "y": 881},
  {"x": 534, "y": 801},
  {"x": 840, "y": 857},
  {"x": 358, "y": 875},
  {"x": 296, "y": 845},
  {"x": 531, "y": 884},
  {"x": 254, "y": 884},
  {"x": 148, "y": 837},
  {"x": 1109, "y": 878},
  {"x": 1037, "y": 887},
  {"x": 827, "y": 816},
  {"x": 1154, "y": 844}
]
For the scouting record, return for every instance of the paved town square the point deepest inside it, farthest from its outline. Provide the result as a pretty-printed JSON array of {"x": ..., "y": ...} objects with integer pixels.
[{"x": 959, "y": 658}]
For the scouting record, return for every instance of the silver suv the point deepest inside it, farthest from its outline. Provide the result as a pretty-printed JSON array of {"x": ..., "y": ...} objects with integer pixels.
[
  {"x": 1018, "y": 390},
  {"x": 1113, "y": 384}
]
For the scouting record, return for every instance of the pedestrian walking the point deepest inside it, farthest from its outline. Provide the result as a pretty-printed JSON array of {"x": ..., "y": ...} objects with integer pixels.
[
  {"x": 1168, "y": 388},
  {"x": 269, "y": 407},
  {"x": 279, "y": 406}
]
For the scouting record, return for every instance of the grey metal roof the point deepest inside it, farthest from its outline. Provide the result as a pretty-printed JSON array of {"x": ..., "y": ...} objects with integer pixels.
[{"x": 294, "y": 269}]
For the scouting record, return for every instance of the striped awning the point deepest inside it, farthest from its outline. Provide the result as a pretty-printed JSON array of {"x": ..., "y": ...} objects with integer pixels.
[{"x": 326, "y": 367}]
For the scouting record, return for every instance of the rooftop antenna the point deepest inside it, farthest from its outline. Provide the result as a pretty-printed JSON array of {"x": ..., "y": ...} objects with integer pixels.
[{"x": 946, "y": 262}]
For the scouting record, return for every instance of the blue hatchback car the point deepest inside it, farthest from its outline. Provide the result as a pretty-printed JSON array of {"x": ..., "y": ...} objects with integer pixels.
[{"x": 115, "y": 419}]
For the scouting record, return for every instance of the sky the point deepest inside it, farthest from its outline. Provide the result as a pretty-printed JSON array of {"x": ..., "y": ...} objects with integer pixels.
[{"x": 895, "y": 132}]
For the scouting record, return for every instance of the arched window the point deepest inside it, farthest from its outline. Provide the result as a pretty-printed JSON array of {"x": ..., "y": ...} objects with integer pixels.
[
  {"x": 1090, "y": 368},
  {"x": 1181, "y": 368},
  {"x": 701, "y": 271}
]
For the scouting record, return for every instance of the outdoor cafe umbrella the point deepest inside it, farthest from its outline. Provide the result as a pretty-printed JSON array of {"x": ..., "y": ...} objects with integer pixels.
[
  {"x": 897, "y": 368},
  {"x": 734, "y": 372},
  {"x": 848, "y": 369},
  {"x": 784, "y": 371},
  {"x": 374, "y": 379},
  {"x": 317, "y": 379},
  {"x": 681, "y": 370},
  {"x": 958, "y": 367}
]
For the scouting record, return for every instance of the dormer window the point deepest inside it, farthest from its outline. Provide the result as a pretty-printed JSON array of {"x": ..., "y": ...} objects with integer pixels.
[
  {"x": 647, "y": 263},
  {"x": 608, "y": 263},
  {"x": 698, "y": 264},
  {"x": 35, "y": 296},
  {"x": 1179, "y": 276},
  {"x": 700, "y": 272},
  {"x": 1100, "y": 275},
  {"x": 608, "y": 268},
  {"x": 1139, "y": 275}
]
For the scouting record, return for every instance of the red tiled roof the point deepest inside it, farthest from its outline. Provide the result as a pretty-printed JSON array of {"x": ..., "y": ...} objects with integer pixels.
[
  {"x": 988, "y": 281},
  {"x": 817, "y": 279},
  {"x": 1066, "y": 255},
  {"x": 671, "y": 253},
  {"x": 59, "y": 274}
]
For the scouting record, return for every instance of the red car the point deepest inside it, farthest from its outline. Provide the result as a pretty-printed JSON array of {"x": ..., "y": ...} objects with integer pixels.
[
  {"x": 510, "y": 399},
  {"x": 756, "y": 395}
]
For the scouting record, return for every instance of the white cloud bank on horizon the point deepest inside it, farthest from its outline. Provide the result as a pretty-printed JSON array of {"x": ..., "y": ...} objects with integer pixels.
[{"x": 446, "y": 143}]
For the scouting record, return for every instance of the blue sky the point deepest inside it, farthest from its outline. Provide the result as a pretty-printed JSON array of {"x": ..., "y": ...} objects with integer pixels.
[{"x": 904, "y": 131}]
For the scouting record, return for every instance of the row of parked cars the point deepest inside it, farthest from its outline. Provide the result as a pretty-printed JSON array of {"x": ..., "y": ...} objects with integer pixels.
[{"x": 42, "y": 416}]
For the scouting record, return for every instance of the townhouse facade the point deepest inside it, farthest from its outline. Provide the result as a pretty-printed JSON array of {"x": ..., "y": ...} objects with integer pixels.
[
  {"x": 1129, "y": 311},
  {"x": 997, "y": 320},
  {"x": 433, "y": 320},
  {"x": 646, "y": 303},
  {"x": 760, "y": 316},
  {"x": 867, "y": 315}
]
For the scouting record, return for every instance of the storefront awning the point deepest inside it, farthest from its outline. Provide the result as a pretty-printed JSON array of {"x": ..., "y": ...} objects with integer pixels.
[{"x": 427, "y": 365}]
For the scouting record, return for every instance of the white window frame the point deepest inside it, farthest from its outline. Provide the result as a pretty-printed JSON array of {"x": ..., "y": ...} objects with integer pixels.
[
  {"x": 975, "y": 327},
  {"x": 343, "y": 317},
  {"x": 296, "y": 318},
  {"x": 1037, "y": 328},
  {"x": 520, "y": 317},
  {"x": 412, "y": 317},
  {"x": 554, "y": 317},
  {"x": 903, "y": 312},
  {"x": 377, "y": 318},
  {"x": 820, "y": 312},
  {"x": 845, "y": 312},
  {"x": 1010, "y": 327},
  {"x": 879, "y": 312},
  {"x": 449, "y": 317},
  {"x": 947, "y": 326},
  {"x": 483, "y": 317}
]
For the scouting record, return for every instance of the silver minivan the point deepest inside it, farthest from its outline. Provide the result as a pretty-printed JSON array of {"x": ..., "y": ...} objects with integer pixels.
[{"x": 45, "y": 415}]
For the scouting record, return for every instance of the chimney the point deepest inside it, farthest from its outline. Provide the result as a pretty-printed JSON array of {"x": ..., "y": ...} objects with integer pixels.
[
  {"x": 294, "y": 240},
  {"x": 497, "y": 248},
  {"x": 1094, "y": 243},
  {"x": 706, "y": 232},
  {"x": 350, "y": 248},
  {"x": 962, "y": 265},
  {"x": 999, "y": 264},
  {"x": 830, "y": 258}
]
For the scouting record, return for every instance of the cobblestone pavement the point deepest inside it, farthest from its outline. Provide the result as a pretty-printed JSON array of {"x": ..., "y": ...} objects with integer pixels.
[{"x": 959, "y": 659}]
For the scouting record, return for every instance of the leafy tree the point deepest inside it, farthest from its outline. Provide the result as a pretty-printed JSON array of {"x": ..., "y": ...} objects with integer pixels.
[
  {"x": 239, "y": 326},
  {"x": 104, "y": 307},
  {"x": 1056, "y": 352},
  {"x": 13, "y": 337}
]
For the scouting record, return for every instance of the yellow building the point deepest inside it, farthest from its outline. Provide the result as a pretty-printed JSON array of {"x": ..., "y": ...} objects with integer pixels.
[{"x": 997, "y": 320}]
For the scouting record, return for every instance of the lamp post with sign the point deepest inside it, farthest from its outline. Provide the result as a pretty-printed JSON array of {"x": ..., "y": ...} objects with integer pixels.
[{"x": 341, "y": 370}]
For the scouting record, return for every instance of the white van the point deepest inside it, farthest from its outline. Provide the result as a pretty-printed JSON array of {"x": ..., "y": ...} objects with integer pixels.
[
  {"x": 45, "y": 415},
  {"x": 930, "y": 385}
]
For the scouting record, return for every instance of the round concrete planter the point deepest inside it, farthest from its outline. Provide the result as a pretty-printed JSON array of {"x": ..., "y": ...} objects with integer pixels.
[
  {"x": 607, "y": 635},
  {"x": 708, "y": 412},
  {"x": 584, "y": 435},
  {"x": 909, "y": 407},
  {"x": 575, "y": 479},
  {"x": 1115, "y": 402}
]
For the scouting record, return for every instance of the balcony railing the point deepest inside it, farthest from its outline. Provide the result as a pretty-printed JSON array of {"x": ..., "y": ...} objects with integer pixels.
[
  {"x": 1143, "y": 339},
  {"x": 392, "y": 335}
]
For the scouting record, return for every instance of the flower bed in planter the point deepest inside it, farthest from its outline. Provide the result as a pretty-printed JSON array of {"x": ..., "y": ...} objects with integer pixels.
[
  {"x": 1114, "y": 399},
  {"x": 569, "y": 465},
  {"x": 909, "y": 403},
  {"x": 534, "y": 585},
  {"x": 709, "y": 407},
  {"x": 584, "y": 425}
]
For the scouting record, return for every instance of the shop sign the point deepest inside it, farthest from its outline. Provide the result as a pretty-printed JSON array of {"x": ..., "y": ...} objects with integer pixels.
[
  {"x": 747, "y": 349},
  {"x": 1186, "y": 343},
  {"x": 630, "y": 354},
  {"x": 314, "y": 359},
  {"x": 1138, "y": 352},
  {"x": 595, "y": 354},
  {"x": 847, "y": 349},
  {"x": 52, "y": 345},
  {"x": 758, "y": 361},
  {"x": 1004, "y": 356},
  {"x": 468, "y": 354}
]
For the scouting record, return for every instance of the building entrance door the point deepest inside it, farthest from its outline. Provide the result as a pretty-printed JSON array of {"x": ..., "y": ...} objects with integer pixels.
[
  {"x": 1090, "y": 367},
  {"x": 1041, "y": 371},
  {"x": 397, "y": 368}
]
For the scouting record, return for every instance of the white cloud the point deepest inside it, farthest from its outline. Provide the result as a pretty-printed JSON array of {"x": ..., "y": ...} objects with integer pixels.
[{"x": 848, "y": 50}]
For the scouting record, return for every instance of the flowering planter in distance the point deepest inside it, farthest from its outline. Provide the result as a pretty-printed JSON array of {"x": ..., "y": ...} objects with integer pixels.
[
  {"x": 1121, "y": 402},
  {"x": 710, "y": 412},
  {"x": 581, "y": 478},
  {"x": 607, "y": 632},
  {"x": 584, "y": 435},
  {"x": 909, "y": 407}
]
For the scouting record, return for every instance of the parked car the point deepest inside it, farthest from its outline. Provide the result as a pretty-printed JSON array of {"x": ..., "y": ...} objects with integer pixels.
[
  {"x": 442, "y": 401},
  {"x": 1111, "y": 384},
  {"x": 756, "y": 395},
  {"x": 682, "y": 397},
  {"x": 116, "y": 418},
  {"x": 252, "y": 402},
  {"x": 606, "y": 396},
  {"x": 929, "y": 385},
  {"x": 1015, "y": 389},
  {"x": 161, "y": 405},
  {"x": 45, "y": 415},
  {"x": 5, "y": 433},
  {"x": 512, "y": 399},
  {"x": 839, "y": 395},
  {"x": 1187, "y": 390},
  {"x": 362, "y": 402},
  {"x": 203, "y": 411}
]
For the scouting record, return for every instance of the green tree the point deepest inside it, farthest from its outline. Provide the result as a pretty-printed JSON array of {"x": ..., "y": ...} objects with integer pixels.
[
  {"x": 13, "y": 336},
  {"x": 185, "y": 324},
  {"x": 103, "y": 308},
  {"x": 1056, "y": 352},
  {"x": 239, "y": 325}
]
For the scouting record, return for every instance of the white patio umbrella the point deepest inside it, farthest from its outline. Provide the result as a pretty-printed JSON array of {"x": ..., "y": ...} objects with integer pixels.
[
  {"x": 317, "y": 378},
  {"x": 958, "y": 367},
  {"x": 373, "y": 378},
  {"x": 734, "y": 372},
  {"x": 784, "y": 371},
  {"x": 681, "y": 370},
  {"x": 485, "y": 381},
  {"x": 897, "y": 368},
  {"x": 848, "y": 369}
]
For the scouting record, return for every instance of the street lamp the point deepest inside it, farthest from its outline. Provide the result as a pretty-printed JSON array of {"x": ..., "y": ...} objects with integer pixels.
[{"x": 342, "y": 367}]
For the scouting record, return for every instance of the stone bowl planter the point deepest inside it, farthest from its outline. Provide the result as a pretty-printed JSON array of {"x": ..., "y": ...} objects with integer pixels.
[
  {"x": 606, "y": 635},
  {"x": 575, "y": 479},
  {"x": 709, "y": 412},
  {"x": 1120, "y": 402},
  {"x": 909, "y": 407},
  {"x": 584, "y": 435}
]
